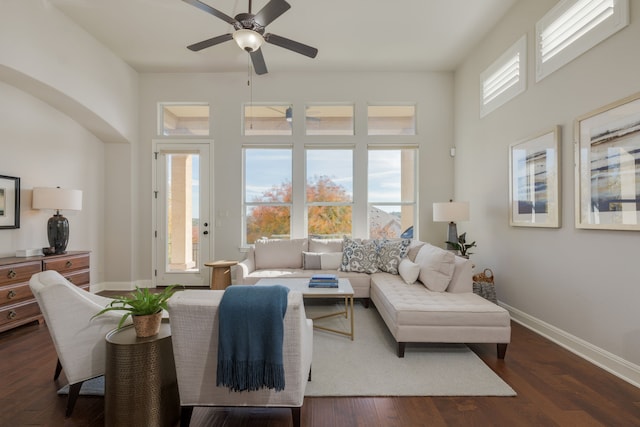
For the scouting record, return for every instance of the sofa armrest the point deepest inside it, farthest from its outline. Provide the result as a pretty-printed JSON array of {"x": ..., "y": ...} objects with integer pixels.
[{"x": 245, "y": 267}]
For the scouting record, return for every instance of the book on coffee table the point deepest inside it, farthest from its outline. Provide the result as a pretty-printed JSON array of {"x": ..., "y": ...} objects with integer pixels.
[{"x": 323, "y": 281}]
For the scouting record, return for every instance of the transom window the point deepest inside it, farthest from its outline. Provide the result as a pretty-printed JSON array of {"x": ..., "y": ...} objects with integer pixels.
[
  {"x": 272, "y": 119},
  {"x": 323, "y": 119},
  {"x": 505, "y": 78},
  {"x": 391, "y": 119},
  {"x": 183, "y": 119}
]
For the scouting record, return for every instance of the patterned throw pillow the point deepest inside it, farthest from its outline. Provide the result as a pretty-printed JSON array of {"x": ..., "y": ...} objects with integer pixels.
[
  {"x": 390, "y": 253},
  {"x": 359, "y": 256}
]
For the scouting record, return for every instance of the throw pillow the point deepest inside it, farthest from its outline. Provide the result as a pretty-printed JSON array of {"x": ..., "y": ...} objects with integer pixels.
[
  {"x": 359, "y": 256},
  {"x": 436, "y": 267},
  {"x": 330, "y": 260},
  {"x": 462, "y": 279},
  {"x": 390, "y": 252},
  {"x": 311, "y": 261},
  {"x": 409, "y": 271}
]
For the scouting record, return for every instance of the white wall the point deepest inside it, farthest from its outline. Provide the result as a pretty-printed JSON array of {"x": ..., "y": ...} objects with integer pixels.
[
  {"x": 579, "y": 287},
  {"x": 226, "y": 93},
  {"x": 46, "y": 148}
]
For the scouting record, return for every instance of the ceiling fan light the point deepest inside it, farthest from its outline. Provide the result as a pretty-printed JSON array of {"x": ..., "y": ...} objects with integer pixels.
[{"x": 248, "y": 40}]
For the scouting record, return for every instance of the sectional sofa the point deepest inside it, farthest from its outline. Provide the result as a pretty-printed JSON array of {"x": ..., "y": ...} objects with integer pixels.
[{"x": 423, "y": 293}]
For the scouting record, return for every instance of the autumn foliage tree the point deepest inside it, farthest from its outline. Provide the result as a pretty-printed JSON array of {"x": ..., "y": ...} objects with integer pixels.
[{"x": 269, "y": 221}]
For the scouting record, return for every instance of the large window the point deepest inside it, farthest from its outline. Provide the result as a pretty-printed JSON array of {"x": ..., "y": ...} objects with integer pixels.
[
  {"x": 573, "y": 27},
  {"x": 267, "y": 193},
  {"x": 392, "y": 192},
  {"x": 329, "y": 192}
]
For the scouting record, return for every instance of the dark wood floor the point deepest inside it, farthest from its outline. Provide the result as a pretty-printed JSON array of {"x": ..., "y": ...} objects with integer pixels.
[{"x": 555, "y": 388}]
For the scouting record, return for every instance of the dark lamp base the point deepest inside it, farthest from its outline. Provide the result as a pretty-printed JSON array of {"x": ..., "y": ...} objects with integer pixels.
[{"x": 58, "y": 233}]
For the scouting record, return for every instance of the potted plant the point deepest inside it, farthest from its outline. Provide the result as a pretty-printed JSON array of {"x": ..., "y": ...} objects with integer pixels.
[
  {"x": 462, "y": 246},
  {"x": 144, "y": 307}
]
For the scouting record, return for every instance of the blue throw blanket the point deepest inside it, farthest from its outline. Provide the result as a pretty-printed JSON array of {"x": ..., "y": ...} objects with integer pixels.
[{"x": 251, "y": 331}]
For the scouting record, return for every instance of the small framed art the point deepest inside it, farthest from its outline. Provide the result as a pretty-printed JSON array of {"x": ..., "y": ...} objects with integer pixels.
[
  {"x": 9, "y": 202},
  {"x": 534, "y": 189},
  {"x": 607, "y": 167}
]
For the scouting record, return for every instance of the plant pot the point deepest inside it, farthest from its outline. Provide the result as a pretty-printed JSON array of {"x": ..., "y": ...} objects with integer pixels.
[{"x": 148, "y": 325}]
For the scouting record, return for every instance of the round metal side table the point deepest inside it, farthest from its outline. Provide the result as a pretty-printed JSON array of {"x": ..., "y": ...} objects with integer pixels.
[{"x": 140, "y": 379}]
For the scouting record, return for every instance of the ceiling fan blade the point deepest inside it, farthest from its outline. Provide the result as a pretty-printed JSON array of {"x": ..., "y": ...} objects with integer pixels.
[
  {"x": 271, "y": 11},
  {"x": 212, "y": 11},
  {"x": 286, "y": 43},
  {"x": 258, "y": 62},
  {"x": 210, "y": 42}
]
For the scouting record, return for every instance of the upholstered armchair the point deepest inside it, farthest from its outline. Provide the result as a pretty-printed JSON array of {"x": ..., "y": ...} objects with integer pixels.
[
  {"x": 79, "y": 340},
  {"x": 194, "y": 331}
]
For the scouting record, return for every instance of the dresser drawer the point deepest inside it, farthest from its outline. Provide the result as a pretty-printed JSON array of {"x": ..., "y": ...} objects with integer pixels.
[
  {"x": 11, "y": 294},
  {"x": 19, "y": 313},
  {"x": 19, "y": 272},
  {"x": 78, "y": 278},
  {"x": 68, "y": 263}
]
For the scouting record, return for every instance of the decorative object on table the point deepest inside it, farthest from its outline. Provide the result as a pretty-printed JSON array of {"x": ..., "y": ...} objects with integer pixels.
[
  {"x": 144, "y": 307},
  {"x": 58, "y": 226},
  {"x": 323, "y": 281},
  {"x": 483, "y": 285},
  {"x": 607, "y": 159},
  {"x": 451, "y": 212},
  {"x": 461, "y": 245},
  {"x": 9, "y": 202},
  {"x": 534, "y": 189}
]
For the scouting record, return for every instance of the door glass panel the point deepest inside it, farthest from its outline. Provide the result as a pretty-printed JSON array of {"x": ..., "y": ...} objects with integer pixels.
[{"x": 182, "y": 206}]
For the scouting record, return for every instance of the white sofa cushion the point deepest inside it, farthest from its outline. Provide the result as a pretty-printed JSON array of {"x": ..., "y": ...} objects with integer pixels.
[
  {"x": 436, "y": 267},
  {"x": 325, "y": 245},
  {"x": 279, "y": 253},
  {"x": 462, "y": 279}
]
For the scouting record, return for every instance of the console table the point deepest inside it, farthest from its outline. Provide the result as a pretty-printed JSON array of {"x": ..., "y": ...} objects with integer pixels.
[{"x": 17, "y": 304}]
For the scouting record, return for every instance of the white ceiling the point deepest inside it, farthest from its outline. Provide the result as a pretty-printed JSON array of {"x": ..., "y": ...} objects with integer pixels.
[{"x": 351, "y": 35}]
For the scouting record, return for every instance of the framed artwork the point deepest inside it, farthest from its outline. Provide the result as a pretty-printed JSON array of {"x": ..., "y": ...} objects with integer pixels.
[
  {"x": 534, "y": 189},
  {"x": 9, "y": 202},
  {"x": 607, "y": 167}
]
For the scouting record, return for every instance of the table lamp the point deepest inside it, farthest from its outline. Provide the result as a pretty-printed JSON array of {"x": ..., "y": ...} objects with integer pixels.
[
  {"x": 451, "y": 212},
  {"x": 58, "y": 226}
]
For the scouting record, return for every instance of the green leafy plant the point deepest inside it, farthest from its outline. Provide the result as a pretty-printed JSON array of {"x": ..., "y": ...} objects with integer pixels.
[
  {"x": 462, "y": 246},
  {"x": 141, "y": 302}
]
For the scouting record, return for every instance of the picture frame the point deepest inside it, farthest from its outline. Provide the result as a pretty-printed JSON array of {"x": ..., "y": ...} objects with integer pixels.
[
  {"x": 607, "y": 167},
  {"x": 534, "y": 185},
  {"x": 9, "y": 202}
]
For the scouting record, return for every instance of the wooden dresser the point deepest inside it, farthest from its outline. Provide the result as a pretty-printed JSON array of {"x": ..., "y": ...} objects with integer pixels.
[{"x": 17, "y": 304}]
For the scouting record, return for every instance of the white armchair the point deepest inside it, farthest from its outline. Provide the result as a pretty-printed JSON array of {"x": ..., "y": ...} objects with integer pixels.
[
  {"x": 194, "y": 331},
  {"x": 78, "y": 339}
]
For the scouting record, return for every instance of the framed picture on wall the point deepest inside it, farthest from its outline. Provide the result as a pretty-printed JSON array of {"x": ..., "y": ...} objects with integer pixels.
[
  {"x": 607, "y": 167},
  {"x": 534, "y": 189},
  {"x": 9, "y": 202}
]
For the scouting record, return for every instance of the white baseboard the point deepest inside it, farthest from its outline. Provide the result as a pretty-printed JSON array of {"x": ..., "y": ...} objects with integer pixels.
[
  {"x": 121, "y": 286},
  {"x": 611, "y": 363}
]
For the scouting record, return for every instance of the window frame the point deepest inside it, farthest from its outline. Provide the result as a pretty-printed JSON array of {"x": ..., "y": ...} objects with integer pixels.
[
  {"x": 618, "y": 20},
  {"x": 498, "y": 68}
]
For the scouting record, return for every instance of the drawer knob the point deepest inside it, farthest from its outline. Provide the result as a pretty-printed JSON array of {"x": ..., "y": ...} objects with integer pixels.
[
  {"x": 11, "y": 294},
  {"x": 12, "y": 315},
  {"x": 12, "y": 274},
  {"x": 68, "y": 264}
]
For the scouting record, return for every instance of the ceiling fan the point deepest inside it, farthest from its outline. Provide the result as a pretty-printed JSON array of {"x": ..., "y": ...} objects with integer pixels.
[{"x": 250, "y": 33}]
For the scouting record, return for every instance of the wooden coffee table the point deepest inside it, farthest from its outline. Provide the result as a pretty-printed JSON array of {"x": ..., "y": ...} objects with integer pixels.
[{"x": 343, "y": 291}]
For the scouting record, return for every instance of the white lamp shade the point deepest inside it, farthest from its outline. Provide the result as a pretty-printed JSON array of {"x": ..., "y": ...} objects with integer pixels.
[
  {"x": 451, "y": 211},
  {"x": 248, "y": 40},
  {"x": 56, "y": 199}
]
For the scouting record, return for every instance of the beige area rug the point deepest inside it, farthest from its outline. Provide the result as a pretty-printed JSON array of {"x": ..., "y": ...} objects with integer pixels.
[{"x": 369, "y": 366}]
